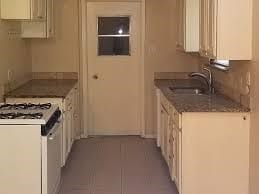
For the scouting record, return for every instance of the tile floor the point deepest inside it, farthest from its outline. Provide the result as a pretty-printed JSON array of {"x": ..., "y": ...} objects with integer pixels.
[{"x": 116, "y": 165}]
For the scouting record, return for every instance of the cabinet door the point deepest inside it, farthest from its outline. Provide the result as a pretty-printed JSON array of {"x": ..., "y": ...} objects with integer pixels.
[
  {"x": 211, "y": 29},
  {"x": 171, "y": 153},
  {"x": 50, "y": 19},
  {"x": 178, "y": 159},
  {"x": 66, "y": 134},
  {"x": 166, "y": 136},
  {"x": 71, "y": 131},
  {"x": 162, "y": 131},
  {"x": 16, "y": 9},
  {"x": 203, "y": 27},
  {"x": 76, "y": 113},
  {"x": 39, "y": 9},
  {"x": 40, "y": 28},
  {"x": 180, "y": 24},
  {"x": 175, "y": 165}
]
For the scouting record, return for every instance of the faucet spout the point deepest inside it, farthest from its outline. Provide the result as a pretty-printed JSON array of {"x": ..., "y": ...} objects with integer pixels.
[{"x": 207, "y": 79}]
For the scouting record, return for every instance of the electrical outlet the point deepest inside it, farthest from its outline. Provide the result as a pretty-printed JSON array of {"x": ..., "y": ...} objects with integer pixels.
[{"x": 10, "y": 75}]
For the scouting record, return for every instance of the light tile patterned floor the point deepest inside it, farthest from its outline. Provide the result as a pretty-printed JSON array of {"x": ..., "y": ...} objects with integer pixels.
[{"x": 116, "y": 165}]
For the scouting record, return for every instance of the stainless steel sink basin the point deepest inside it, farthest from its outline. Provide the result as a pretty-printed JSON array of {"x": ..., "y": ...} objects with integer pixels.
[{"x": 193, "y": 91}]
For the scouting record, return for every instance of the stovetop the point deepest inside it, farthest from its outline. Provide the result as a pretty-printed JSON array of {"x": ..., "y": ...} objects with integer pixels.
[{"x": 26, "y": 113}]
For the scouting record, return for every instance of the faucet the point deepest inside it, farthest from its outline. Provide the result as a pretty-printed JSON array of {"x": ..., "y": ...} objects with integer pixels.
[{"x": 208, "y": 78}]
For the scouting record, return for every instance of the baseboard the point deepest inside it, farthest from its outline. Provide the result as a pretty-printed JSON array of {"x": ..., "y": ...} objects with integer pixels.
[
  {"x": 107, "y": 132},
  {"x": 83, "y": 136},
  {"x": 150, "y": 136}
]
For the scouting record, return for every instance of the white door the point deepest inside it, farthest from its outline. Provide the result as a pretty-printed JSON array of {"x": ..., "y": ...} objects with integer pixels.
[{"x": 114, "y": 53}]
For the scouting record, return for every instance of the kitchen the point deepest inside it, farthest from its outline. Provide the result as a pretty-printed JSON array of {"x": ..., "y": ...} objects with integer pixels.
[{"x": 60, "y": 57}]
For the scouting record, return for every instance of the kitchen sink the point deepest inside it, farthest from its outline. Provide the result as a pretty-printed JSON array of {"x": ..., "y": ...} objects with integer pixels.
[{"x": 192, "y": 91}]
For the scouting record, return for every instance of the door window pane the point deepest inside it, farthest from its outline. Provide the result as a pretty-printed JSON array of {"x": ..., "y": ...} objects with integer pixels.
[
  {"x": 113, "y": 36},
  {"x": 114, "y": 46},
  {"x": 113, "y": 25}
]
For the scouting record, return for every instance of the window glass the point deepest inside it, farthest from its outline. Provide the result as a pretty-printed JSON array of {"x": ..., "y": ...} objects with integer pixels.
[
  {"x": 113, "y": 36},
  {"x": 113, "y": 46},
  {"x": 113, "y": 25}
]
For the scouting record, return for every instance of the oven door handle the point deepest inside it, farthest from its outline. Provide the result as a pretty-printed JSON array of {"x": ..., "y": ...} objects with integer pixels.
[{"x": 55, "y": 130}]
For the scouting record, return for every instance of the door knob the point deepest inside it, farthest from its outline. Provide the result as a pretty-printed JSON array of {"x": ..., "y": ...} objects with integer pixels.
[{"x": 95, "y": 76}]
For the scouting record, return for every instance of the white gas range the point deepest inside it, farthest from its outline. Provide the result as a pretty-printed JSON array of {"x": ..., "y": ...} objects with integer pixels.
[{"x": 30, "y": 148}]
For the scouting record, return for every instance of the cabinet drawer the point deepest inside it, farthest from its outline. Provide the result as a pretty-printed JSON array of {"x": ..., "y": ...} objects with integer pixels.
[{"x": 177, "y": 118}]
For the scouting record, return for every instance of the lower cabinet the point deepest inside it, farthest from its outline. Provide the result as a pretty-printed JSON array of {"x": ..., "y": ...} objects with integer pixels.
[
  {"x": 71, "y": 121},
  {"x": 165, "y": 118},
  {"x": 207, "y": 152}
]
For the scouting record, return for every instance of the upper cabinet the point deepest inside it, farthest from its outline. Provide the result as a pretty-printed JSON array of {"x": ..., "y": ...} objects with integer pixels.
[
  {"x": 36, "y": 16},
  {"x": 40, "y": 29},
  {"x": 23, "y": 9},
  {"x": 226, "y": 29},
  {"x": 187, "y": 25}
]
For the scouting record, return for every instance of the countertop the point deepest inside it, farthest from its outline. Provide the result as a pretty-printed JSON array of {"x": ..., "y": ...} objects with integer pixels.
[
  {"x": 49, "y": 88},
  {"x": 197, "y": 103}
]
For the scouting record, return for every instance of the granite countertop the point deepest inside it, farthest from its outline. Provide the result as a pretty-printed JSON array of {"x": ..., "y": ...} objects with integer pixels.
[
  {"x": 49, "y": 88},
  {"x": 197, "y": 103}
]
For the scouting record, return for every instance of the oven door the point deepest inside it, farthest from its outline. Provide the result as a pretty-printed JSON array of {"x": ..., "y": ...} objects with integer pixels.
[{"x": 51, "y": 160}]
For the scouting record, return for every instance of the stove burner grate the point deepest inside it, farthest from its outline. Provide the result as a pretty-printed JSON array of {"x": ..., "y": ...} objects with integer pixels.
[
  {"x": 25, "y": 106},
  {"x": 7, "y": 115},
  {"x": 21, "y": 115}
]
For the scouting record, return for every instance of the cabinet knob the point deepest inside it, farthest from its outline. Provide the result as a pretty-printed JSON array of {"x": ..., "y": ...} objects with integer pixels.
[{"x": 95, "y": 76}]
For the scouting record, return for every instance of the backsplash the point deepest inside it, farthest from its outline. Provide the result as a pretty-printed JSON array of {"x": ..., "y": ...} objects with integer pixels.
[
  {"x": 171, "y": 75},
  {"x": 54, "y": 75},
  {"x": 233, "y": 83}
]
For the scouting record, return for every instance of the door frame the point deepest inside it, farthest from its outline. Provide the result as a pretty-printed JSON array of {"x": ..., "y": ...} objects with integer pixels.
[{"x": 83, "y": 75}]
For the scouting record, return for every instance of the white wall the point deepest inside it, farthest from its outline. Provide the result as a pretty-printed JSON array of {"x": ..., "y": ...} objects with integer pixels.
[{"x": 61, "y": 53}]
